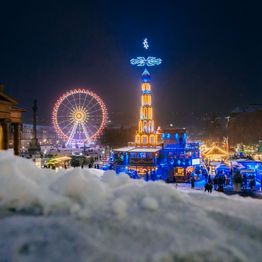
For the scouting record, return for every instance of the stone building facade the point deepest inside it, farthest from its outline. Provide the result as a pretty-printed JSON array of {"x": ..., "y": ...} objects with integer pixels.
[{"x": 10, "y": 122}]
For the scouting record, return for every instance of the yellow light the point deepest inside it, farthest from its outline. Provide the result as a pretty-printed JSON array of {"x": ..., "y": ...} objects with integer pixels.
[{"x": 79, "y": 115}]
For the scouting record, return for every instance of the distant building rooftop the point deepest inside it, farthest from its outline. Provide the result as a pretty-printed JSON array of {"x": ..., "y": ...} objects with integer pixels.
[{"x": 249, "y": 108}]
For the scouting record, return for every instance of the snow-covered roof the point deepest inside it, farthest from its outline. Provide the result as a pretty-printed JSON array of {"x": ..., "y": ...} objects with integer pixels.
[
  {"x": 124, "y": 149},
  {"x": 138, "y": 149},
  {"x": 145, "y": 150}
]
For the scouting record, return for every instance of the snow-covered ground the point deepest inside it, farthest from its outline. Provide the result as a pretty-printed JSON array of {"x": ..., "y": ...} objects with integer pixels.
[{"x": 91, "y": 215}]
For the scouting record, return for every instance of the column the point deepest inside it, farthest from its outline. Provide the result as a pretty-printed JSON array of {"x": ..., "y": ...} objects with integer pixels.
[
  {"x": 17, "y": 138},
  {"x": 1, "y": 136},
  {"x": 5, "y": 135}
]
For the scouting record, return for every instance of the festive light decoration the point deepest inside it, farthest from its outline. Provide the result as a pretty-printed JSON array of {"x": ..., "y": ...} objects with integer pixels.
[
  {"x": 79, "y": 116},
  {"x": 150, "y": 61},
  {"x": 146, "y": 134},
  {"x": 146, "y": 157},
  {"x": 145, "y": 43},
  {"x": 215, "y": 153}
]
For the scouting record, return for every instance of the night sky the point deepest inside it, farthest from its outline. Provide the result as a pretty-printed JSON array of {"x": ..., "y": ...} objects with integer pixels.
[{"x": 211, "y": 51}]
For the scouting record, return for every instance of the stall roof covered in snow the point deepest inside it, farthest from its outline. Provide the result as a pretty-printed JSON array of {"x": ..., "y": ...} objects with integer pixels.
[
  {"x": 138, "y": 149},
  {"x": 145, "y": 150},
  {"x": 124, "y": 149}
]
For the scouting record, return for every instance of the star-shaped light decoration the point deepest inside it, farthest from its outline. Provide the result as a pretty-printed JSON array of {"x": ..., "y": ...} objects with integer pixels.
[{"x": 145, "y": 44}]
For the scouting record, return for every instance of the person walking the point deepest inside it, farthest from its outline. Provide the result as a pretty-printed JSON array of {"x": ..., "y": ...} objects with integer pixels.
[
  {"x": 193, "y": 182},
  {"x": 244, "y": 182},
  {"x": 146, "y": 176},
  {"x": 216, "y": 178},
  {"x": 210, "y": 187},
  {"x": 206, "y": 187}
]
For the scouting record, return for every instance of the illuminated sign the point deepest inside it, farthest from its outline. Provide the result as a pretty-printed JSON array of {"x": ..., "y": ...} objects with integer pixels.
[{"x": 195, "y": 161}]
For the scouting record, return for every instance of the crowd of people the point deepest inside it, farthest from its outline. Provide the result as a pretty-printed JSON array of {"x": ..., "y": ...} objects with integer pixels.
[{"x": 223, "y": 179}]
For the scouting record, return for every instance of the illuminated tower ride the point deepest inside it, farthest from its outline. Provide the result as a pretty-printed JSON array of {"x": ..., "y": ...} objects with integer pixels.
[{"x": 146, "y": 134}]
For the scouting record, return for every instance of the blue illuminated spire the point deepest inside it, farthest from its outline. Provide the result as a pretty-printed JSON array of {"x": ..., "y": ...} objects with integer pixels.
[{"x": 146, "y": 76}]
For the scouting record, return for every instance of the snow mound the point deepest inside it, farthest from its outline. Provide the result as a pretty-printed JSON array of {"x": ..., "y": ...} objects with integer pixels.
[{"x": 91, "y": 215}]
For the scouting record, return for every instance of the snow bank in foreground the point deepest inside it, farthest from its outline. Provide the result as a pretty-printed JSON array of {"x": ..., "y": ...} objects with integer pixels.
[{"x": 83, "y": 215}]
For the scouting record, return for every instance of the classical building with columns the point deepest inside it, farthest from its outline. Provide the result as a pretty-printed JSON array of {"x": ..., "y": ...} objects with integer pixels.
[{"x": 10, "y": 122}]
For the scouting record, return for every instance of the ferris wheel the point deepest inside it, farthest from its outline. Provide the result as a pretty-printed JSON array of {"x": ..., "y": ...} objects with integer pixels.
[{"x": 79, "y": 117}]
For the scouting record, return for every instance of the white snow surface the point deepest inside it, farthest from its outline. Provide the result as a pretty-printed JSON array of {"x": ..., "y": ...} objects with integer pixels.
[{"x": 92, "y": 215}]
